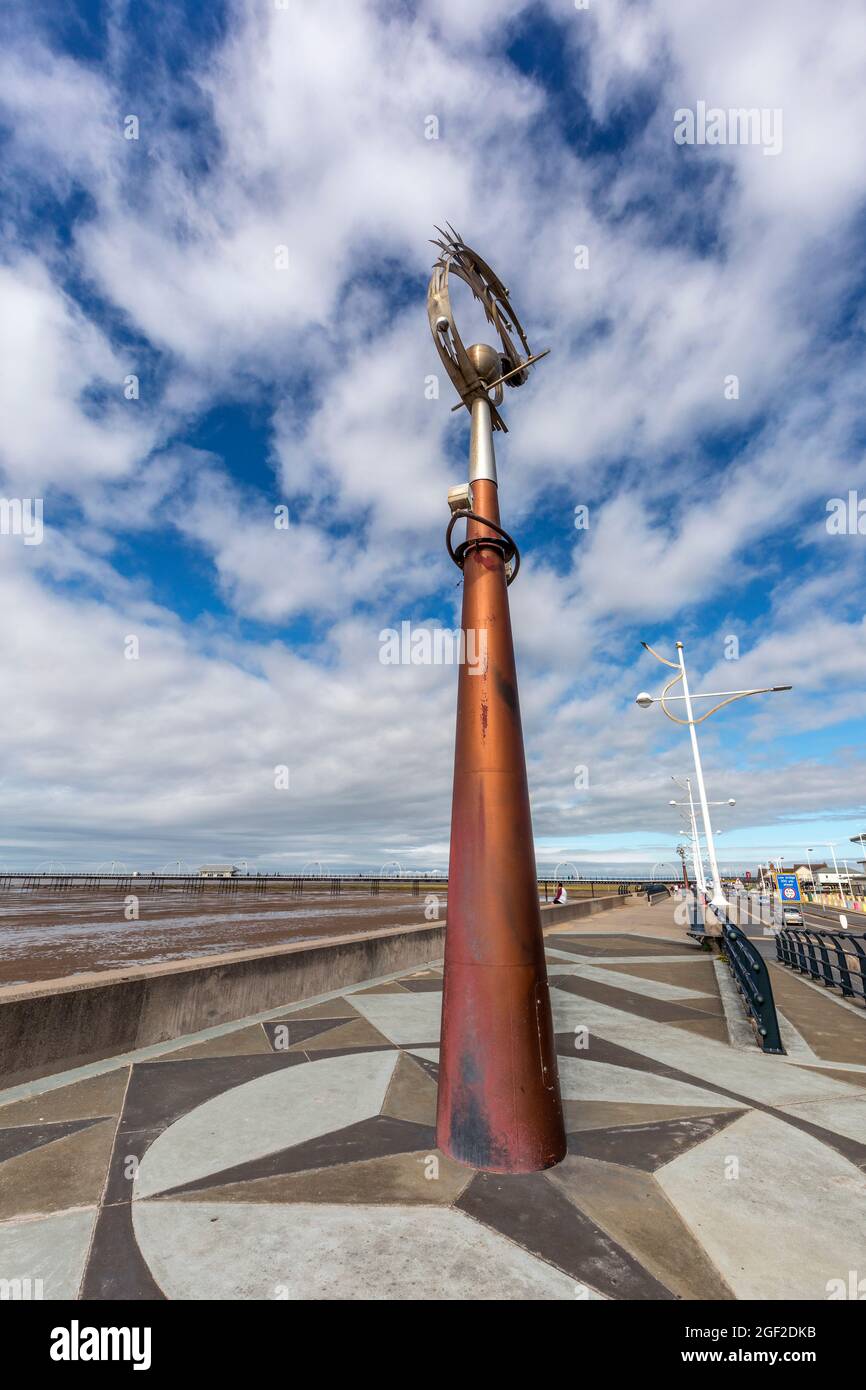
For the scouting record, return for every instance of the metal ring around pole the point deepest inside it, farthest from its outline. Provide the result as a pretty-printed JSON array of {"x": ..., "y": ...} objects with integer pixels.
[{"x": 502, "y": 542}]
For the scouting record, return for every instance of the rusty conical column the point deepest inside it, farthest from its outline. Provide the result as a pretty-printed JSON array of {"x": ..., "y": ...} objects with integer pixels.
[{"x": 499, "y": 1105}]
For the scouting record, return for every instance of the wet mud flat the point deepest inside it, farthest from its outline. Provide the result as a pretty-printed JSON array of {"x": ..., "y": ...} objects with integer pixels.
[{"x": 49, "y": 935}]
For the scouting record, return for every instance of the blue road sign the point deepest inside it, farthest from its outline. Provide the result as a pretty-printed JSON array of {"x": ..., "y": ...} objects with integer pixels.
[{"x": 789, "y": 888}]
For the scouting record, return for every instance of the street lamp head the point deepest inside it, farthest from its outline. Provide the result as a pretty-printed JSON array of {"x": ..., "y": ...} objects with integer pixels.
[
  {"x": 731, "y": 801},
  {"x": 644, "y": 700},
  {"x": 672, "y": 803}
]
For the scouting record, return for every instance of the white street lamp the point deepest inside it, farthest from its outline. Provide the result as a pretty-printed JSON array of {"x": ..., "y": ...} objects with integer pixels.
[
  {"x": 697, "y": 857},
  {"x": 726, "y": 697},
  {"x": 831, "y": 846}
]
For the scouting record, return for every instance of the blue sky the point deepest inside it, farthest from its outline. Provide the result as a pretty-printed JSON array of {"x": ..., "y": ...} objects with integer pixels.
[{"x": 306, "y": 387}]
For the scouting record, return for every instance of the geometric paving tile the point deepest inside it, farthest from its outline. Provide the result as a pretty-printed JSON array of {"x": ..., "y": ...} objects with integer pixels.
[
  {"x": 51, "y": 1248},
  {"x": 582, "y": 1079},
  {"x": 393, "y": 1178},
  {"x": 356, "y": 1032},
  {"x": 853, "y": 1078},
  {"x": 374, "y": 1137},
  {"x": 291, "y": 1033},
  {"x": 69, "y": 1172},
  {"x": 404, "y": 1018},
  {"x": 95, "y": 1096},
  {"x": 388, "y": 987},
  {"x": 697, "y": 974},
  {"x": 530, "y": 1210},
  {"x": 239, "y": 1043},
  {"x": 412, "y": 1093},
  {"x": 116, "y": 1268},
  {"x": 161, "y": 1092},
  {"x": 328, "y": 1008},
  {"x": 608, "y": 1114},
  {"x": 648, "y": 1146},
  {"x": 651, "y": 988},
  {"x": 707, "y": 1027},
  {"x": 808, "y": 1204},
  {"x": 278, "y": 1109},
  {"x": 623, "y": 946},
  {"x": 630, "y": 1001},
  {"x": 631, "y": 1207},
  {"x": 23, "y": 1138}
]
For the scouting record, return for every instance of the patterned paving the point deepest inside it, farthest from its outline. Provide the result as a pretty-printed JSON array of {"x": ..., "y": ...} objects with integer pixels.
[{"x": 294, "y": 1156}]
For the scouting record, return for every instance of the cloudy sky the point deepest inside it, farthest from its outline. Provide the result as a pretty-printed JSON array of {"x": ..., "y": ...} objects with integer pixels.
[{"x": 256, "y": 260}]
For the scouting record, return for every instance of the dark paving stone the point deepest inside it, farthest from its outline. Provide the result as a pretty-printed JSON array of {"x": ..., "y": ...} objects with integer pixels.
[
  {"x": 707, "y": 1027},
  {"x": 128, "y": 1144},
  {"x": 23, "y": 1138},
  {"x": 321, "y": 1054},
  {"x": 530, "y": 1210},
  {"x": 658, "y": 1010},
  {"x": 116, "y": 1268},
  {"x": 649, "y": 1146},
  {"x": 347, "y": 1033},
  {"x": 697, "y": 974},
  {"x": 423, "y": 986},
  {"x": 160, "y": 1092},
  {"x": 371, "y": 1138},
  {"x": 431, "y": 1068},
  {"x": 612, "y": 946},
  {"x": 291, "y": 1031}
]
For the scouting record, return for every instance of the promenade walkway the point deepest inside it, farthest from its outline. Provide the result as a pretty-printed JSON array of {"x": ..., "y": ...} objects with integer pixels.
[{"x": 293, "y": 1155}]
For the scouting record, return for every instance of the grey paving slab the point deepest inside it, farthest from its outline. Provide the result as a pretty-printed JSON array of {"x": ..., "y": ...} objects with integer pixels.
[
  {"x": 404, "y": 1018},
  {"x": 52, "y": 1249},
  {"x": 337, "y": 1252},
  {"x": 581, "y": 1079},
  {"x": 778, "y": 1213}
]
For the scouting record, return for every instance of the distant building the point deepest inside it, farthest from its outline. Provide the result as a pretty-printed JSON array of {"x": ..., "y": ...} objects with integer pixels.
[{"x": 218, "y": 871}]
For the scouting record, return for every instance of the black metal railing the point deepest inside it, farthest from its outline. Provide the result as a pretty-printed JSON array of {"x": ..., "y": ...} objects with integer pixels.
[
  {"x": 836, "y": 958},
  {"x": 752, "y": 978}
]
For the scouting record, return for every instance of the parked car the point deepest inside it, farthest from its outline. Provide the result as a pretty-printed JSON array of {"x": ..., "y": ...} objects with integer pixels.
[{"x": 792, "y": 917}]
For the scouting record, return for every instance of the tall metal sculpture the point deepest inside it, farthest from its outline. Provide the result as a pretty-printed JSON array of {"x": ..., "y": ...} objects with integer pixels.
[{"x": 499, "y": 1102}]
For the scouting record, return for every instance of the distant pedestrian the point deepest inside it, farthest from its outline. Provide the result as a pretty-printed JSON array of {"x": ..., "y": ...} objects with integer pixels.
[{"x": 560, "y": 896}]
